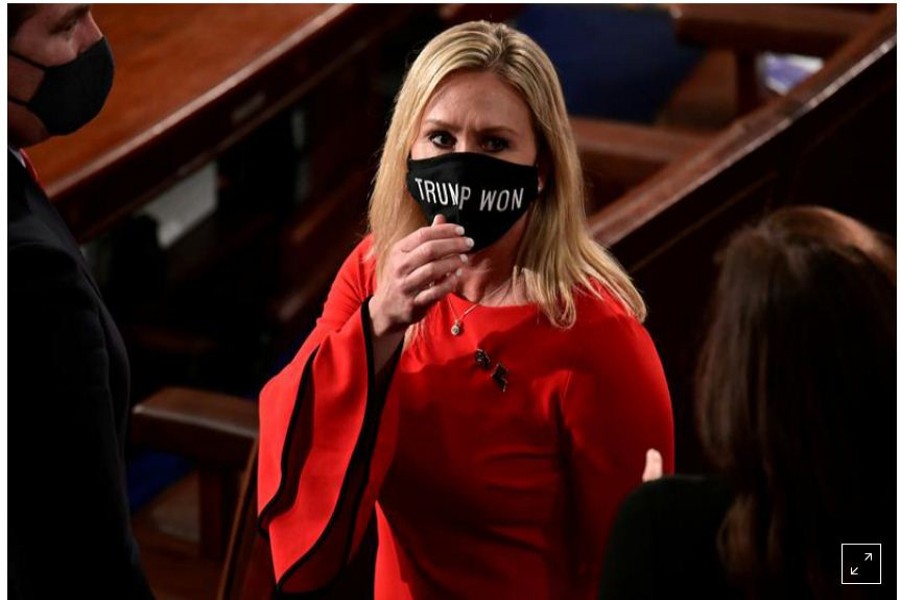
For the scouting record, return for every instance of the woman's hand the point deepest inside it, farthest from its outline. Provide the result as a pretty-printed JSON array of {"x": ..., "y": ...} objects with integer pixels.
[
  {"x": 421, "y": 269},
  {"x": 653, "y": 468}
]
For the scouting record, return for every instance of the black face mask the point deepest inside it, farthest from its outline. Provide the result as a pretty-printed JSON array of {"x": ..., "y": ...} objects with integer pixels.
[
  {"x": 484, "y": 194},
  {"x": 71, "y": 94}
]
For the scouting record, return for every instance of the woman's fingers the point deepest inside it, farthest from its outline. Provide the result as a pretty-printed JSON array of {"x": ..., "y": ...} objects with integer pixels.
[
  {"x": 432, "y": 273},
  {"x": 653, "y": 467},
  {"x": 426, "y": 234},
  {"x": 434, "y": 251},
  {"x": 423, "y": 267},
  {"x": 428, "y": 245},
  {"x": 430, "y": 295}
]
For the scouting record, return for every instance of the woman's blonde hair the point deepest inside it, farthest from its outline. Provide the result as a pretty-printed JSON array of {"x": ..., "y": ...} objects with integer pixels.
[{"x": 557, "y": 254}]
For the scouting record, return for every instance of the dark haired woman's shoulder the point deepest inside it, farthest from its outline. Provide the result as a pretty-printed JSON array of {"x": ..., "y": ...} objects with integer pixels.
[
  {"x": 663, "y": 542},
  {"x": 681, "y": 495}
]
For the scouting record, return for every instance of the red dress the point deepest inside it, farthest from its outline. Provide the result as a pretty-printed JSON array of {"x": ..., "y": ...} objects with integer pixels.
[{"x": 478, "y": 492}]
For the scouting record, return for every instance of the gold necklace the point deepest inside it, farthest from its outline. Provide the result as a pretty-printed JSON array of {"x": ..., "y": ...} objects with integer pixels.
[{"x": 457, "y": 327}]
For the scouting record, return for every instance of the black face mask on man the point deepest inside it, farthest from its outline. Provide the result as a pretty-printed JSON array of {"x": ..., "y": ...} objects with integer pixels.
[
  {"x": 484, "y": 194},
  {"x": 71, "y": 94}
]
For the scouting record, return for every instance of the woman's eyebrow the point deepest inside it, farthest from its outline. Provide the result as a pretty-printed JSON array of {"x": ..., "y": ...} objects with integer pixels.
[
  {"x": 489, "y": 129},
  {"x": 503, "y": 129},
  {"x": 441, "y": 124}
]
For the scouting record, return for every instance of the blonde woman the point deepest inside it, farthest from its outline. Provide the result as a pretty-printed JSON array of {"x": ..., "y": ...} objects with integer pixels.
[{"x": 479, "y": 381}]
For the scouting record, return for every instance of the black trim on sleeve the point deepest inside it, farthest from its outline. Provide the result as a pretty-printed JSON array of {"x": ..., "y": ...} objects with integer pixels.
[
  {"x": 278, "y": 497},
  {"x": 362, "y": 452}
]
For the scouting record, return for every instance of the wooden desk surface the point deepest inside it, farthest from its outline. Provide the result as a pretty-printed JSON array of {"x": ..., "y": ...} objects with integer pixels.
[{"x": 190, "y": 81}]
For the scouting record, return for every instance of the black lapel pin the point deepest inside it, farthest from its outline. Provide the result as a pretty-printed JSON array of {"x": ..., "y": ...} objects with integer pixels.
[
  {"x": 499, "y": 376},
  {"x": 482, "y": 359}
]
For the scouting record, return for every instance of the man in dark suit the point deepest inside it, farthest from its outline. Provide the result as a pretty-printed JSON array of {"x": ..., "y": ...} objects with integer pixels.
[{"x": 69, "y": 528}]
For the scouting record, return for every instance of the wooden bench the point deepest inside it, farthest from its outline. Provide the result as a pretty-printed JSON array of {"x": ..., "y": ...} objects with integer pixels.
[
  {"x": 191, "y": 82},
  {"x": 219, "y": 434},
  {"x": 830, "y": 141},
  {"x": 270, "y": 94}
]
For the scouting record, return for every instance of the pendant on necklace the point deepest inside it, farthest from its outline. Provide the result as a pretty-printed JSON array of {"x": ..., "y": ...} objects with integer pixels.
[{"x": 457, "y": 328}]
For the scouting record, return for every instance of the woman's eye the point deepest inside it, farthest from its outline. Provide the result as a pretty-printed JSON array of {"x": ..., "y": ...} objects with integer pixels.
[
  {"x": 441, "y": 139},
  {"x": 495, "y": 144}
]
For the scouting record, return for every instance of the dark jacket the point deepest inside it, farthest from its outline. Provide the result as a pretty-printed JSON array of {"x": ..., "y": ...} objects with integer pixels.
[
  {"x": 663, "y": 542},
  {"x": 69, "y": 528}
]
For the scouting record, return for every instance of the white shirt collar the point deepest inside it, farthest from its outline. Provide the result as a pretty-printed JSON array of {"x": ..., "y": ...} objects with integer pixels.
[{"x": 17, "y": 154}]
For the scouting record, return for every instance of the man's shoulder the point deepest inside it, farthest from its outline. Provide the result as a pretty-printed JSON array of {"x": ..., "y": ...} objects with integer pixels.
[
  {"x": 38, "y": 261},
  {"x": 16, "y": 189},
  {"x": 27, "y": 231}
]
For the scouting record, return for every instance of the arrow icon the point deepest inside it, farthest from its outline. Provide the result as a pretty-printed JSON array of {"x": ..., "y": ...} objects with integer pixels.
[
  {"x": 868, "y": 556},
  {"x": 854, "y": 570}
]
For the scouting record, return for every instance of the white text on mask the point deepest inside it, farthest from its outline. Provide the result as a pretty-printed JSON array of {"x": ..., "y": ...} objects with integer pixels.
[{"x": 455, "y": 194}]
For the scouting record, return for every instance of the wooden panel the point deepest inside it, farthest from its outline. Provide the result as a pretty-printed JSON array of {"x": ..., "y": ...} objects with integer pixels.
[
  {"x": 248, "y": 571},
  {"x": 168, "y": 534},
  {"x": 707, "y": 98},
  {"x": 798, "y": 29},
  {"x": 191, "y": 80},
  {"x": 212, "y": 429},
  {"x": 313, "y": 247},
  {"x": 865, "y": 63},
  {"x": 831, "y": 141},
  {"x": 617, "y": 156}
]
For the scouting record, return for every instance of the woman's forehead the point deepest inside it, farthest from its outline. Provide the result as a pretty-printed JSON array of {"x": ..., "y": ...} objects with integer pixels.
[{"x": 481, "y": 99}]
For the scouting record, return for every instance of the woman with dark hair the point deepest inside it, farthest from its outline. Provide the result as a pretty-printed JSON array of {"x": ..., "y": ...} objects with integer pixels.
[{"x": 796, "y": 407}]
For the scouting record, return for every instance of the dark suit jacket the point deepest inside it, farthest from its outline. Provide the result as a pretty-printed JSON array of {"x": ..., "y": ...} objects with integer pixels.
[
  {"x": 69, "y": 529},
  {"x": 663, "y": 542}
]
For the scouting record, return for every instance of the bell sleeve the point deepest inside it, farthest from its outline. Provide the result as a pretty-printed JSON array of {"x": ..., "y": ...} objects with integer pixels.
[
  {"x": 326, "y": 439},
  {"x": 615, "y": 406}
]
